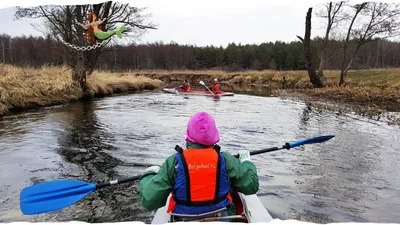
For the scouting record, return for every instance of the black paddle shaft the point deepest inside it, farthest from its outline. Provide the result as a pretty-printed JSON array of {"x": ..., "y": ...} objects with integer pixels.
[
  {"x": 286, "y": 146},
  {"x": 120, "y": 181}
]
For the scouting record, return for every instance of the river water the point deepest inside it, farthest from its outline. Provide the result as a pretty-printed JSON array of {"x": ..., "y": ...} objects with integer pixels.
[{"x": 351, "y": 178}]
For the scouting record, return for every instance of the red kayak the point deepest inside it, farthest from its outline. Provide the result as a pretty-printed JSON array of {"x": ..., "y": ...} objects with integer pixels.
[{"x": 197, "y": 92}]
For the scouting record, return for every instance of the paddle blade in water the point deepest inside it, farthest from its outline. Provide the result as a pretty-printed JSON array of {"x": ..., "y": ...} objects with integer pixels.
[
  {"x": 53, "y": 195},
  {"x": 311, "y": 140}
]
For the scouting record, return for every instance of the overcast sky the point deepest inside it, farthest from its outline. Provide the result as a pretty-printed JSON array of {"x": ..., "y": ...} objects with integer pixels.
[{"x": 205, "y": 22}]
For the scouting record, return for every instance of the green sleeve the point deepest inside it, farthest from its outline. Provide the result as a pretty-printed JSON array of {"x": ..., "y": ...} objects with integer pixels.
[
  {"x": 155, "y": 188},
  {"x": 243, "y": 176}
]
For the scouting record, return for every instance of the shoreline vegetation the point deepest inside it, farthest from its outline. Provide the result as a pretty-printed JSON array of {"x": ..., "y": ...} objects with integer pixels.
[
  {"x": 29, "y": 88},
  {"x": 372, "y": 93}
]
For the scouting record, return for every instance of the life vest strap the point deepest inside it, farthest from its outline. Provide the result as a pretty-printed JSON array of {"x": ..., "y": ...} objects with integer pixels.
[
  {"x": 237, "y": 218},
  {"x": 202, "y": 203},
  {"x": 186, "y": 169},
  {"x": 200, "y": 214},
  {"x": 176, "y": 217},
  {"x": 216, "y": 197},
  {"x": 180, "y": 149}
]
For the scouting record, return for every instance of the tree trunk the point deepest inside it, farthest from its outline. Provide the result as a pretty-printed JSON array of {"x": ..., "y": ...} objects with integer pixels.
[
  {"x": 342, "y": 71},
  {"x": 349, "y": 65},
  {"x": 79, "y": 72},
  {"x": 321, "y": 64},
  {"x": 344, "y": 68},
  {"x": 394, "y": 57},
  {"x": 9, "y": 46},
  {"x": 78, "y": 68},
  {"x": 314, "y": 78},
  {"x": 377, "y": 55},
  {"x": 82, "y": 62},
  {"x": 85, "y": 62},
  {"x": 325, "y": 43},
  {"x": 3, "y": 50},
  {"x": 115, "y": 59},
  {"x": 383, "y": 54}
]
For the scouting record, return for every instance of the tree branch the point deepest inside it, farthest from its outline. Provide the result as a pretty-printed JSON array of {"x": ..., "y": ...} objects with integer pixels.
[
  {"x": 301, "y": 39},
  {"x": 135, "y": 25}
]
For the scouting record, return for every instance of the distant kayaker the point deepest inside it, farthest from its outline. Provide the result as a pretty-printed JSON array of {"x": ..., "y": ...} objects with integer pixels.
[
  {"x": 211, "y": 174},
  {"x": 185, "y": 86},
  {"x": 215, "y": 88}
]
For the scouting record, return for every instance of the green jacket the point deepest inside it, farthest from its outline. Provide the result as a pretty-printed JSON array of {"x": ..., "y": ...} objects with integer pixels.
[{"x": 155, "y": 188}]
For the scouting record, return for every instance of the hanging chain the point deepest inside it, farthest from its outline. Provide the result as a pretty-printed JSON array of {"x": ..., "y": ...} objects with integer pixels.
[{"x": 87, "y": 48}]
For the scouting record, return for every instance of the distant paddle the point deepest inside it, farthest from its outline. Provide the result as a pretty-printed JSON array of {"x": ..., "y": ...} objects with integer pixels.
[
  {"x": 313, "y": 140},
  {"x": 202, "y": 83},
  {"x": 176, "y": 89},
  {"x": 54, "y": 195}
]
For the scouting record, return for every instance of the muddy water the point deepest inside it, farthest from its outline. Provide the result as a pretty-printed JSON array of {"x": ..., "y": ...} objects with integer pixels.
[{"x": 353, "y": 177}]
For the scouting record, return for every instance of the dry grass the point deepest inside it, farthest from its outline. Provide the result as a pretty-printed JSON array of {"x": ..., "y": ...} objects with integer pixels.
[
  {"x": 296, "y": 79},
  {"x": 24, "y": 88},
  {"x": 103, "y": 83},
  {"x": 377, "y": 88},
  {"x": 374, "y": 89}
]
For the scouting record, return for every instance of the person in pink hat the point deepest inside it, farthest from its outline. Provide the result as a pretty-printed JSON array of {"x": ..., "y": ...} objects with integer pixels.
[{"x": 200, "y": 177}]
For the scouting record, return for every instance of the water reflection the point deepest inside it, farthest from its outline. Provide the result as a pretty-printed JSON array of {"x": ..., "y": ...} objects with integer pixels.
[
  {"x": 84, "y": 142},
  {"x": 84, "y": 146},
  {"x": 342, "y": 180}
]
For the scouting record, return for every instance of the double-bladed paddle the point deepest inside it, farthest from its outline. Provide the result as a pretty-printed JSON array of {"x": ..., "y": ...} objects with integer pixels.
[
  {"x": 53, "y": 195},
  {"x": 202, "y": 83}
]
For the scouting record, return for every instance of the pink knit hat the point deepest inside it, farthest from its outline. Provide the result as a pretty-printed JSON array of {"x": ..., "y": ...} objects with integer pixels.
[{"x": 201, "y": 129}]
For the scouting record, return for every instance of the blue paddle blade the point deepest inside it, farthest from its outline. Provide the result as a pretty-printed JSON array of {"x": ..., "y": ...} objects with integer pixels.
[
  {"x": 53, "y": 195},
  {"x": 311, "y": 141}
]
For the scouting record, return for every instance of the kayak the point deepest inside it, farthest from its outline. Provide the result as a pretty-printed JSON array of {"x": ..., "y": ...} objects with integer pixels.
[
  {"x": 249, "y": 209},
  {"x": 197, "y": 92}
]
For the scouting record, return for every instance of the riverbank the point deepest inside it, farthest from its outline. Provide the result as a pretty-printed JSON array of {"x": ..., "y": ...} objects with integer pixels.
[
  {"x": 366, "y": 92},
  {"x": 371, "y": 93},
  {"x": 27, "y": 88}
]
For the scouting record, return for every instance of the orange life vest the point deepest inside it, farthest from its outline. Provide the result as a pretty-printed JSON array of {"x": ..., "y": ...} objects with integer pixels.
[
  {"x": 202, "y": 184},
  {"x": 215, "y": 87}
]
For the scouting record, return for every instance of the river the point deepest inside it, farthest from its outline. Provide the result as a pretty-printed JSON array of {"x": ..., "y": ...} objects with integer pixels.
[{"x": 351, "y": 178}]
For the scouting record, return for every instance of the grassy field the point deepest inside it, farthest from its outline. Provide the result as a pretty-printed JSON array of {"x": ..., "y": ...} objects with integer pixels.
[{"x": 24, "y": 88}]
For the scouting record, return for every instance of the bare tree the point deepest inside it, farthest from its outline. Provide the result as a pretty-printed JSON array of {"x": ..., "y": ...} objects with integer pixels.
[
  {"x": 4, "y": 40},
  {"x": 314, "y": 78},
  {"x": 10, "y": 48},
  {"x": 60, "y": 21},
  {"x": 378, "y": 21},
  {"x": 3, "y": 50},
  {"x": 332, "y": 12}
]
